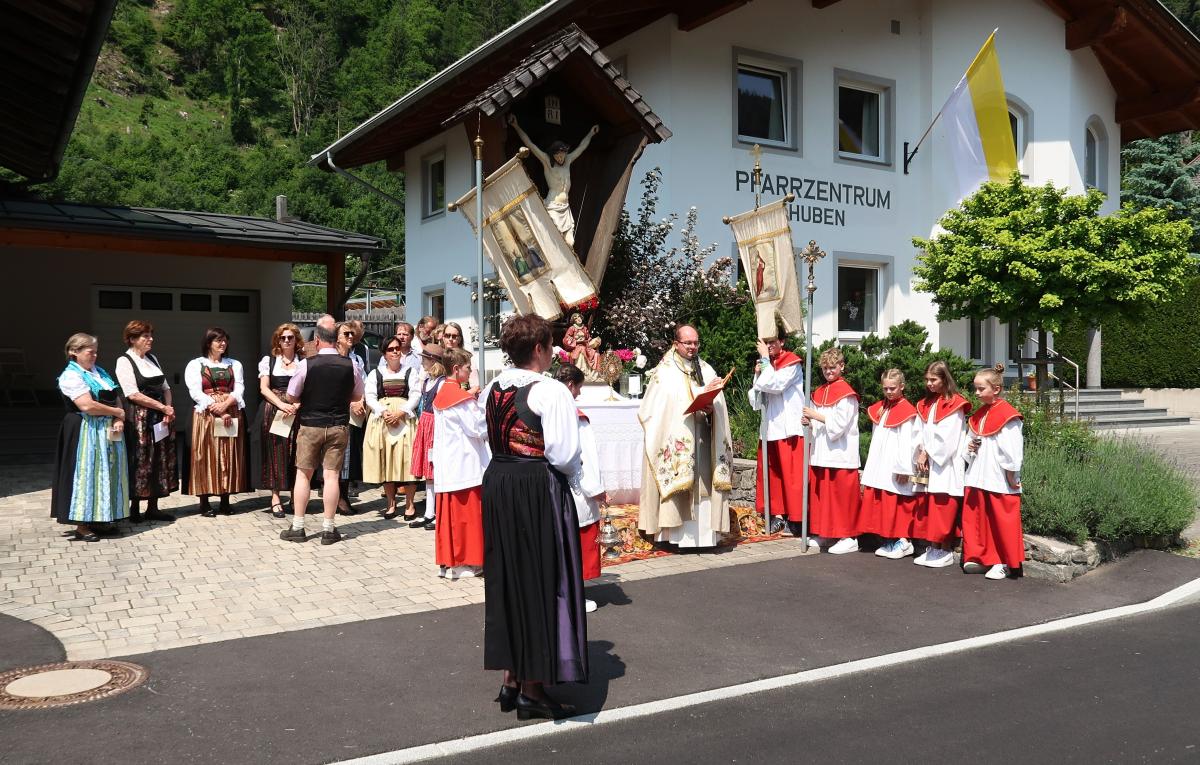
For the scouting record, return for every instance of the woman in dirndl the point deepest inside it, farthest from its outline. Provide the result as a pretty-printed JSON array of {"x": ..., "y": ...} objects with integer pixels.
[
  {"x": 216, "y": 384},
  {"x": 387, "y": 446},
  {"x": 152, "y": 473},
  {"x": 277, "y": 454},
  {"x": 420, "y": 408},
  {"x": 535, "y": 628},
  {"x": 91, "y": 484}
]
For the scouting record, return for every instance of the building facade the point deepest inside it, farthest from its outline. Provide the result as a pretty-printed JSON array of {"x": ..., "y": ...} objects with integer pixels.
[{"x": 831, "y": 91}]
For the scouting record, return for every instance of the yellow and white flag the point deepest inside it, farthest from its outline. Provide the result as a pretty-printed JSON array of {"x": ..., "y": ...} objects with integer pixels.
[
  {"x": 976, "y": 116},
  {"x": 764, "y": 239},
  {"x": 538, "y": 269}
]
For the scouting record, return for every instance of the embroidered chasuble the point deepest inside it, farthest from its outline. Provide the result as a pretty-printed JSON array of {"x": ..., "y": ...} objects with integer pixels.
[{"x": 687, "y": 469}]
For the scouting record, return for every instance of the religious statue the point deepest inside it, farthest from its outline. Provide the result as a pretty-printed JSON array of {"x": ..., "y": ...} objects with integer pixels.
[
  {"x": 583, "y": 349},
  {"x": 557, "y": 167}
]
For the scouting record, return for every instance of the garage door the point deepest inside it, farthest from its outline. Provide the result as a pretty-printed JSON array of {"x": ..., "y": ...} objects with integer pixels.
[{"x": 180, "y": 316}]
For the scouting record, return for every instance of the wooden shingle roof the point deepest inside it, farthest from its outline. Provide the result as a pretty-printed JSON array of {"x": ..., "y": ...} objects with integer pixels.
[{"x": 545, "y": 60}]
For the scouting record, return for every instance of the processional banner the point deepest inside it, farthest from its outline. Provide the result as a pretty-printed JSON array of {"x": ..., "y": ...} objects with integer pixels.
[
  {"x": 764, "y": 239},
  {"x": 538, "y": 269}
]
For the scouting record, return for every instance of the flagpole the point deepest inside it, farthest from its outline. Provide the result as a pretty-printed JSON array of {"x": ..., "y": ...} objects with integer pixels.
[
  {"x": 810, "y": 254},
  {"x": 756, "y": 184},
  {"x": 479, "y": 251}
]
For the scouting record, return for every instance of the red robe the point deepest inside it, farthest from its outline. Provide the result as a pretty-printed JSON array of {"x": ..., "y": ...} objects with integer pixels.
[
  {"x": 886, "y": 513},
  {"x": 834, "y": 494},
  {"x": 936, "y": 516},
  {"x": 459, "y": 525},
  {"x": 785, "y": 458},
  {"x": 991, "y": 521}
]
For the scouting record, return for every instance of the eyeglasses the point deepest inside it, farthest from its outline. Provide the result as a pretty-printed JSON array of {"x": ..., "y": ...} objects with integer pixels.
[
  {"x": 393, "y": 349},
  {"x": 286, "y": 338},
  {"x": 689, "y": 342},
  {"x": 450, "y": 337},
  {"x": 347, "y": 334}
]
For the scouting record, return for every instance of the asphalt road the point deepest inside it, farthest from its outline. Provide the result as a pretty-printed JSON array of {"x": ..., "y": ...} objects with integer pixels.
[{"x": 1121, "y": 692}]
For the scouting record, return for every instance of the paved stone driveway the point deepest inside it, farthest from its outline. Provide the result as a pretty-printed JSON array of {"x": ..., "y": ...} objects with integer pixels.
[{"x": 202, "y": 580}]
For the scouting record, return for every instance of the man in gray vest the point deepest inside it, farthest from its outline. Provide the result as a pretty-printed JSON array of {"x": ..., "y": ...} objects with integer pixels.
[{"x": 325, "y": 385}]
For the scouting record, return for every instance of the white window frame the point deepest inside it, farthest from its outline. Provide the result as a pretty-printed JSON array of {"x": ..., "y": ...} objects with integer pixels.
[
  {"x": 427, "y": 296},
  {"x": 886, "y": 90},
  {"x": 1094, "y": 129},
  {"x": 791, "y": 70},
  {"x": 1023, "y": 115},
  {"x": 427, "y": 162}
]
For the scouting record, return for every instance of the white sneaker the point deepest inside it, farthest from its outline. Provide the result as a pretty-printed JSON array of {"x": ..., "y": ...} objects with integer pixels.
[
  {"x": 920, "y": 559},
  {"x": 973, "y": 567},
  {"x": 467, "y": 572},
  {"x": 897, "y": 549},
  {"x": 847, "y": 545},
  {"x": 938, "y": 558},
  {"x": 998, "y": 571},
  {"x": 815, "y": 542},
  {"x": 885, "y": 550},
  {"x": 589, "y": 605}
]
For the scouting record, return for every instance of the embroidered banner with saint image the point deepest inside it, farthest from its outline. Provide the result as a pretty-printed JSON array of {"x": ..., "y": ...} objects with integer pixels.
[
  {"x": 535, "y": 265},
  {"x": 764, "y": 239}
]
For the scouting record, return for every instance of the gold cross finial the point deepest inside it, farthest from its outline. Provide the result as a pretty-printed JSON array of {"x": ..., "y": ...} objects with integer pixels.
[
  {"x": 811, "y": 254},
  {"x": 756, "y": 173}
]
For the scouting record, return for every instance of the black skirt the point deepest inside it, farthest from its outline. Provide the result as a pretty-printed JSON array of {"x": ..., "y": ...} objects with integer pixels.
[{"x": 534, "y": 622}]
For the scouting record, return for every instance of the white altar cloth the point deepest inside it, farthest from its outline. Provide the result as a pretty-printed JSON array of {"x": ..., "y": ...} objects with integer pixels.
[{"x": 619, "y": 442}]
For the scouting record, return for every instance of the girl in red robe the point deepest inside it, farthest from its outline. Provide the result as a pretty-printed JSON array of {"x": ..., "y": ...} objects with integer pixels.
[
  {"x": 943, "y": 427},
  {"x": 834, "y": 495}
]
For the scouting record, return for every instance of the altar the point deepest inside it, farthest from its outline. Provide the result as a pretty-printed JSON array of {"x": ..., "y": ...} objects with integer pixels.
[{"x": 618, "y": 445}]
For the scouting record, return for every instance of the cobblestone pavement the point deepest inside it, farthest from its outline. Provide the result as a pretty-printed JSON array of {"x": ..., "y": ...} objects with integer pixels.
[{"x": 202, "y": 580}]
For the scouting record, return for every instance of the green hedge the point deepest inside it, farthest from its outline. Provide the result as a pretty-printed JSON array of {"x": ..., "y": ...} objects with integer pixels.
[{"x": 1160, "y": 349}]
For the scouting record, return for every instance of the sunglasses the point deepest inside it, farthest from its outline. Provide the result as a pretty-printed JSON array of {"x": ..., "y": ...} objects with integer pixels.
[
  {"x": 447, "y": 334},
  {"x": 393, "y": 349},
  {"x": 347, "y": 334},
  {"x": 286, "y": 338}
]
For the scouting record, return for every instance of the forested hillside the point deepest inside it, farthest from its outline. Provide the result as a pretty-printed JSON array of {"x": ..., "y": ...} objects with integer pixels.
[{"x": 217, "y": 104}]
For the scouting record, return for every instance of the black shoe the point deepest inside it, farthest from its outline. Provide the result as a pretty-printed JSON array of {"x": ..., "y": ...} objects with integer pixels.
[
  {"x": 391, "y": 515},
  {"x": 429, "y": 525},
  {"x": 293, "y": 535},
  {"x": 136, "y": 516},
  {"x": 418, "y": 523},
  {"x": 349, "y": 509},
  {"x": 331, "y": 536},
  {"x": 225, "y": 509},
  {"x": 546, "y": 709},
  {"x": 158, "y": 515},
  {"x": 508, "y": 697},
  {"x": 409, "y": 518},
  {"x": 778, "y": 524},
  {"x": 79, "y": 536},
  {"x": 106, "y": 530}
]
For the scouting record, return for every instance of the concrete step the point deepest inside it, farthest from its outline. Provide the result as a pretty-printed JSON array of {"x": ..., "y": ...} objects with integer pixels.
[
  {"x": 1107, "y": 411},
  {"x": 1137, "y": 420}
]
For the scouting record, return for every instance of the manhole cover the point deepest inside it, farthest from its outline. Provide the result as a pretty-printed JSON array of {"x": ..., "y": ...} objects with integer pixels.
[{"x": 68, "y": 682}]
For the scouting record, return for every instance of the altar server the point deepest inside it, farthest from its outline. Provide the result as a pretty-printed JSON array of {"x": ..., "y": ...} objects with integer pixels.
[
  {"x": 459, "y": 455},
  {"x": 587, "y": 486},
  {"x": 834, "y": 494},
  {"x": 991, "y": 520},
  {"x": 943, "y": 415},
  {"x": 889, "y": 500},
  {"x": 778, "y": 392}
]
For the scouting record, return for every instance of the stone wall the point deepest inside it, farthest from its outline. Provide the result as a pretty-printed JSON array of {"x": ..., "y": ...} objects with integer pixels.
[{"x": 744, "y": 475}]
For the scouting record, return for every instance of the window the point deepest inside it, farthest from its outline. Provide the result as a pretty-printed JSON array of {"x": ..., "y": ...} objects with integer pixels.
[
  {"x": 233, "y": 303},
  {"x": 857, "y": 302},
  {"x": 765, "y": 100},
  {"x": 1020, "y": 122},
  {"x": 976, "y": 340},
  {"x": 434, "y": 191},
  {"x": 864, "y": 118},
  {"x": 157, "y": 301},
  {"x": 1095, "y": 155},
  {"x": 195, "y": 302},
  {"x": 435, "y": 304},
  {"x": 117, "y": 299}
]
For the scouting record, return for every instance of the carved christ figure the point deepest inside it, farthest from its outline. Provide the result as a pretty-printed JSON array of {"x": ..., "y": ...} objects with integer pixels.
[{"x": 557, "y": 167}]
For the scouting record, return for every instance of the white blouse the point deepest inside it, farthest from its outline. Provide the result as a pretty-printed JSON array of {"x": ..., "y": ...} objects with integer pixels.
[
  {"x": 997, "y": 454},
  {"x": 264, "y": 367},
  {"x": 553, "y": 403},
  {"x": 372, "y": 389},
  {"x": 191, "y": 376},
  {"x": 588, "y": 482},
  {"x": 127, "y": 379},
  {"x": 943, "y": 442},
  {"x": 892, "y": 452},
  {"x": 781, "y": 391},
  {"x": 72, "y": 384},
  {"x": 835, "y": 441},
  {"x": 460, "y": 450}
]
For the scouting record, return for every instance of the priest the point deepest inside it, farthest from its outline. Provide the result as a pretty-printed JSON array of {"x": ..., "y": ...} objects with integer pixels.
[{"x": 688, "y": 466}]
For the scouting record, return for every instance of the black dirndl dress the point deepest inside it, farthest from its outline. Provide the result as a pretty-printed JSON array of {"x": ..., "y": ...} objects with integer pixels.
[{"x": 534, "y": 620}]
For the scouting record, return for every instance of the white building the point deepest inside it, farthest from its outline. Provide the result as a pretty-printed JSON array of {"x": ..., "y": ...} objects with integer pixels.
[{"x": 831, "y": 90}]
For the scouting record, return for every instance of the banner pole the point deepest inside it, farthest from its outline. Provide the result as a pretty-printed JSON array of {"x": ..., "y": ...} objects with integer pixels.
[
  {"x": 811, "y": 254},
  {"x": 479, "y": 251}
]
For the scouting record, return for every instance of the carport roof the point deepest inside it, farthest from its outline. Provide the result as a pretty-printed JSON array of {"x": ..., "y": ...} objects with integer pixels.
[{"x": 142, "y": 223}]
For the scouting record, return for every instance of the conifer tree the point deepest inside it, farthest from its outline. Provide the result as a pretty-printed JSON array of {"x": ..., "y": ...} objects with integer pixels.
[{"x": 1158, "y": 172}]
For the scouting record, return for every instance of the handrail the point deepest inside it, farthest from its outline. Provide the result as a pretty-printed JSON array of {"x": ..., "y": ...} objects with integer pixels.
[{"x": 1053, "y": 354}]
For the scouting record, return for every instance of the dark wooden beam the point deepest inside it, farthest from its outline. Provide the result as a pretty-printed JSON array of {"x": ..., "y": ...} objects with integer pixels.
[
  {"x": 820, "y": 4},
  {"x": 699, "y": 14},
  {"x": 121, "y": 243},
  {"x": 1112, "y": 62},
  {"x": 1060, "y": 9},
  {"x": 1134, "y": 109},
  {"x": 1096, "y": 26},
  {"x": 335, "y": 286}
]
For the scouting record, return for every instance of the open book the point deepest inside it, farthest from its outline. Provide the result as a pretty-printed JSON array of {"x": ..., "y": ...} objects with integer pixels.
[{"x": 704, "y": 400}]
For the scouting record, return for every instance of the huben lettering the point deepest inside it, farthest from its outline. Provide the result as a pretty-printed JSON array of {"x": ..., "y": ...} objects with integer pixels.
[{"x": 817, "y": 190}]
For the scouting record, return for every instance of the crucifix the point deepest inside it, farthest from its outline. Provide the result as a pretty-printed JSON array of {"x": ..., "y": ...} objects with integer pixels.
[{"x": 756, "y": 173}]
